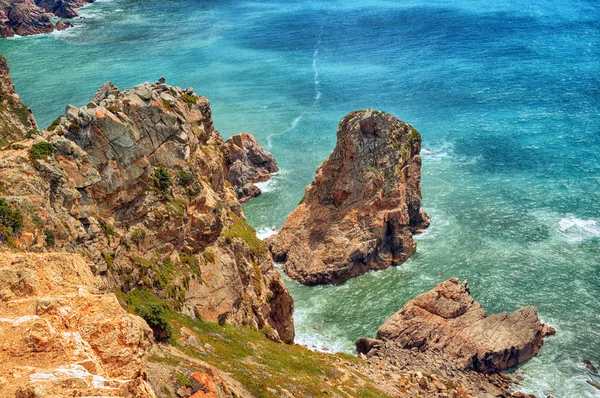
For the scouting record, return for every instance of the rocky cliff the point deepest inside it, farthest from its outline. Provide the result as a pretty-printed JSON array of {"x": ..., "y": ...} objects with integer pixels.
[
  {"x": 248, "y": 163},
  {"x": 361, "y": 210},
  {"x": 30, "y": 17},
  {"x": 16, "y": 120},
  {"x": 136, "y": 182},
  {"x": 449, "y": 321}
]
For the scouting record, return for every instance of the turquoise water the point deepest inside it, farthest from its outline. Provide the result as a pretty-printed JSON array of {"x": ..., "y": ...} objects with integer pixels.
[{"x": 506, "y": 95}]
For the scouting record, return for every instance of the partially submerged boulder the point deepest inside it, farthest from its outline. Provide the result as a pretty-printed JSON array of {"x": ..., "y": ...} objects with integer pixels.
[
  {"x": 248, "y": 163},
  {"x": 448, "y": 320},
  {"x": 361, "y": 210}
]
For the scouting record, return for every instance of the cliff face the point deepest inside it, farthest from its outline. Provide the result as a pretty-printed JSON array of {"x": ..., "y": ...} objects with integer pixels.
[
  {"x": 361, "y": 210},
  {"x": 16, "y": 120},
  {"x": 30, "y": 17},
  {"x": 447, "y": 320},
  {"x": 59, "y": 336},
  {"x": 136, "y": 182}
]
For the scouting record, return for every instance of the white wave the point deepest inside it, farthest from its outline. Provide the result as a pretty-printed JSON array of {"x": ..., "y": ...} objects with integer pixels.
[
  {"x": 315, "y": 67},
  {"x": 292, "y": 126},
  {"x": 265, "y": 232},
  {"x": 265, "y": 186},
  {"x": 578, "y": 230}
]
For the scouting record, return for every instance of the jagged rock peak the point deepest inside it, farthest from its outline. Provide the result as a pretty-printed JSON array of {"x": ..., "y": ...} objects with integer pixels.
[
  {"x": 136, "y": 180},
  {"x": 361, "y": 210},
  {"x": 16, "y": 120},
  {"x": 248, "y": 163},
  {"x": 448, "y": 320}
]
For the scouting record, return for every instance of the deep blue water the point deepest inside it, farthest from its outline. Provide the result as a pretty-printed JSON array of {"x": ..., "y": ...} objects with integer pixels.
[{"x": 506, "y": 95}]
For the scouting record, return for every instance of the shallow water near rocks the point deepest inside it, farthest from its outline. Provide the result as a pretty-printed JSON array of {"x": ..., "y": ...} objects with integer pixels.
[{"x": 506, "y": 96}]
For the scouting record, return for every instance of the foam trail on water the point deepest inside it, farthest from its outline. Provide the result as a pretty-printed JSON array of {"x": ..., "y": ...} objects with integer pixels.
[
  {"x": 317, "y": 97},
  {"x": 578, "y": 230}
]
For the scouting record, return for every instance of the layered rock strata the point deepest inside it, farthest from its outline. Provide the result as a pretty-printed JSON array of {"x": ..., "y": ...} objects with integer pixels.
[
  {"x": 361, "y": 210},
  {"x": 60, "y": 336},
  {"x": 30, "y": 17},
  {"x": 449, "y": 321},
  {"x": 136, "y": 182},
  {"x": 16, "y": 120},
  {"x": 248, "y": 163}
]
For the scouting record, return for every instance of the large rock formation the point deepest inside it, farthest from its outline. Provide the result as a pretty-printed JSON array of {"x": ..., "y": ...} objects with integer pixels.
[
  {"x": 248, "y": 163},
  {"x": 136, "y": 181},
  {"x": 16, "y": 120},
  {"x": 30, "y": 17},
  {"x": 61, "y": 337},
  {"x": 361, "y": 210},
  {"x": 448, "y": 320}
]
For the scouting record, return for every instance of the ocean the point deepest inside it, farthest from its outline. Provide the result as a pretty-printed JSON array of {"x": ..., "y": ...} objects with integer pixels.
[{"x": 506, "y": 95}]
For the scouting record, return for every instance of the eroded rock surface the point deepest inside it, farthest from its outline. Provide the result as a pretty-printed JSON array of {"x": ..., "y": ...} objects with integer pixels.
[
  {"x": 361, "y": 210},
  {"x": 137, "y": 182},
  {"x": 59, "y": 336},
  {"x": 448, "y": 320},
  {"x": 248, "y": 163},
  {"x": 16, "y": 120}
]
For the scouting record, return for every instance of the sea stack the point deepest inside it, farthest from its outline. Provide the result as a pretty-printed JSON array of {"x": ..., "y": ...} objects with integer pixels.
[
  {"x": 361, "y": 210},
  {"x": 449, "y": 322}
]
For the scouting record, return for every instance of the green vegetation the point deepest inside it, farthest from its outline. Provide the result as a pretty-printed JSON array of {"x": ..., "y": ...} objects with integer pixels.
[
  {"x": 108, "y": 259},
  {"x": 54, "y": 124},
  {"x": 49, "y": 236},
  {"x": 162, "y": 178},
  {"x": 156, "y": 316},
  {"x": 32, "y": 132},
  {"x": 108, "y": 229},
  {"x": 252, "y": 359},
  {"x": 41, "y": 150},
  {"x": 189, "y": 99},
  {"x": 138, "y": 235},
  {"x": 240, "y": 229},
  {"x": 185, "y": 178},
  {"x": 11, "y": 222},
  {"x": 183, "y": 380}
]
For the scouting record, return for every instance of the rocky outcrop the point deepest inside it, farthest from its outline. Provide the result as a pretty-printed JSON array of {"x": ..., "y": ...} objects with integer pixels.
[
  {"x": 59, "y": 336},
  {"x": 248, "y": 163},
  {"x": 361, "y": 210},
  {"x": 16, "y": 120},
  {"x": 448, "y": 320},
  {"x": 31, "y": 17},
  {"x": 136, "y": 181}
]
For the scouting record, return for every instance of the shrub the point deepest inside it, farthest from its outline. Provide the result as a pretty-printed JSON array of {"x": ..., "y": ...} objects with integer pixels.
[
  {"x": 41, "y": 150},
  {"x": 156, "y": 316},
  {"x": 32, "y": 132},
  {"x": 185, "y": 178},
  {"x": 162, "y": 178},
  {"x": 9, "y": 218},
  {"x": 49, "y": 235}
]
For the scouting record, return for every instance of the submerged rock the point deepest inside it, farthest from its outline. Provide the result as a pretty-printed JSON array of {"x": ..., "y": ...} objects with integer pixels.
[
  {"x": 247, "y": 163},
  {"x": 448, "y": 320},
  {"x": 361, "y": 210}
]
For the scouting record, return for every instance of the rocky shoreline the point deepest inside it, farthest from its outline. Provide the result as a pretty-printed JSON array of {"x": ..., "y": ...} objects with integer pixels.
[
  {"x": 128, "y": 268},
  {"x": 31, "y": 17}
]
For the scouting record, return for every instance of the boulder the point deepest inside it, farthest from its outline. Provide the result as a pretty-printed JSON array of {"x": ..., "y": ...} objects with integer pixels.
[
  {"x": 247, "y": 163},
  {"x": 448, "y": 320},
  {"x": 361, "y": 210}
]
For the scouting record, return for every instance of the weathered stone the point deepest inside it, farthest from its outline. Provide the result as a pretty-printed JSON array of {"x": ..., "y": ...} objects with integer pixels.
[
  {"x": 361, "y": 210},
  {"x": 16, "y": 120},
  {"x": 247, "y": 163},
  {"x": 447, "y": 319}
]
